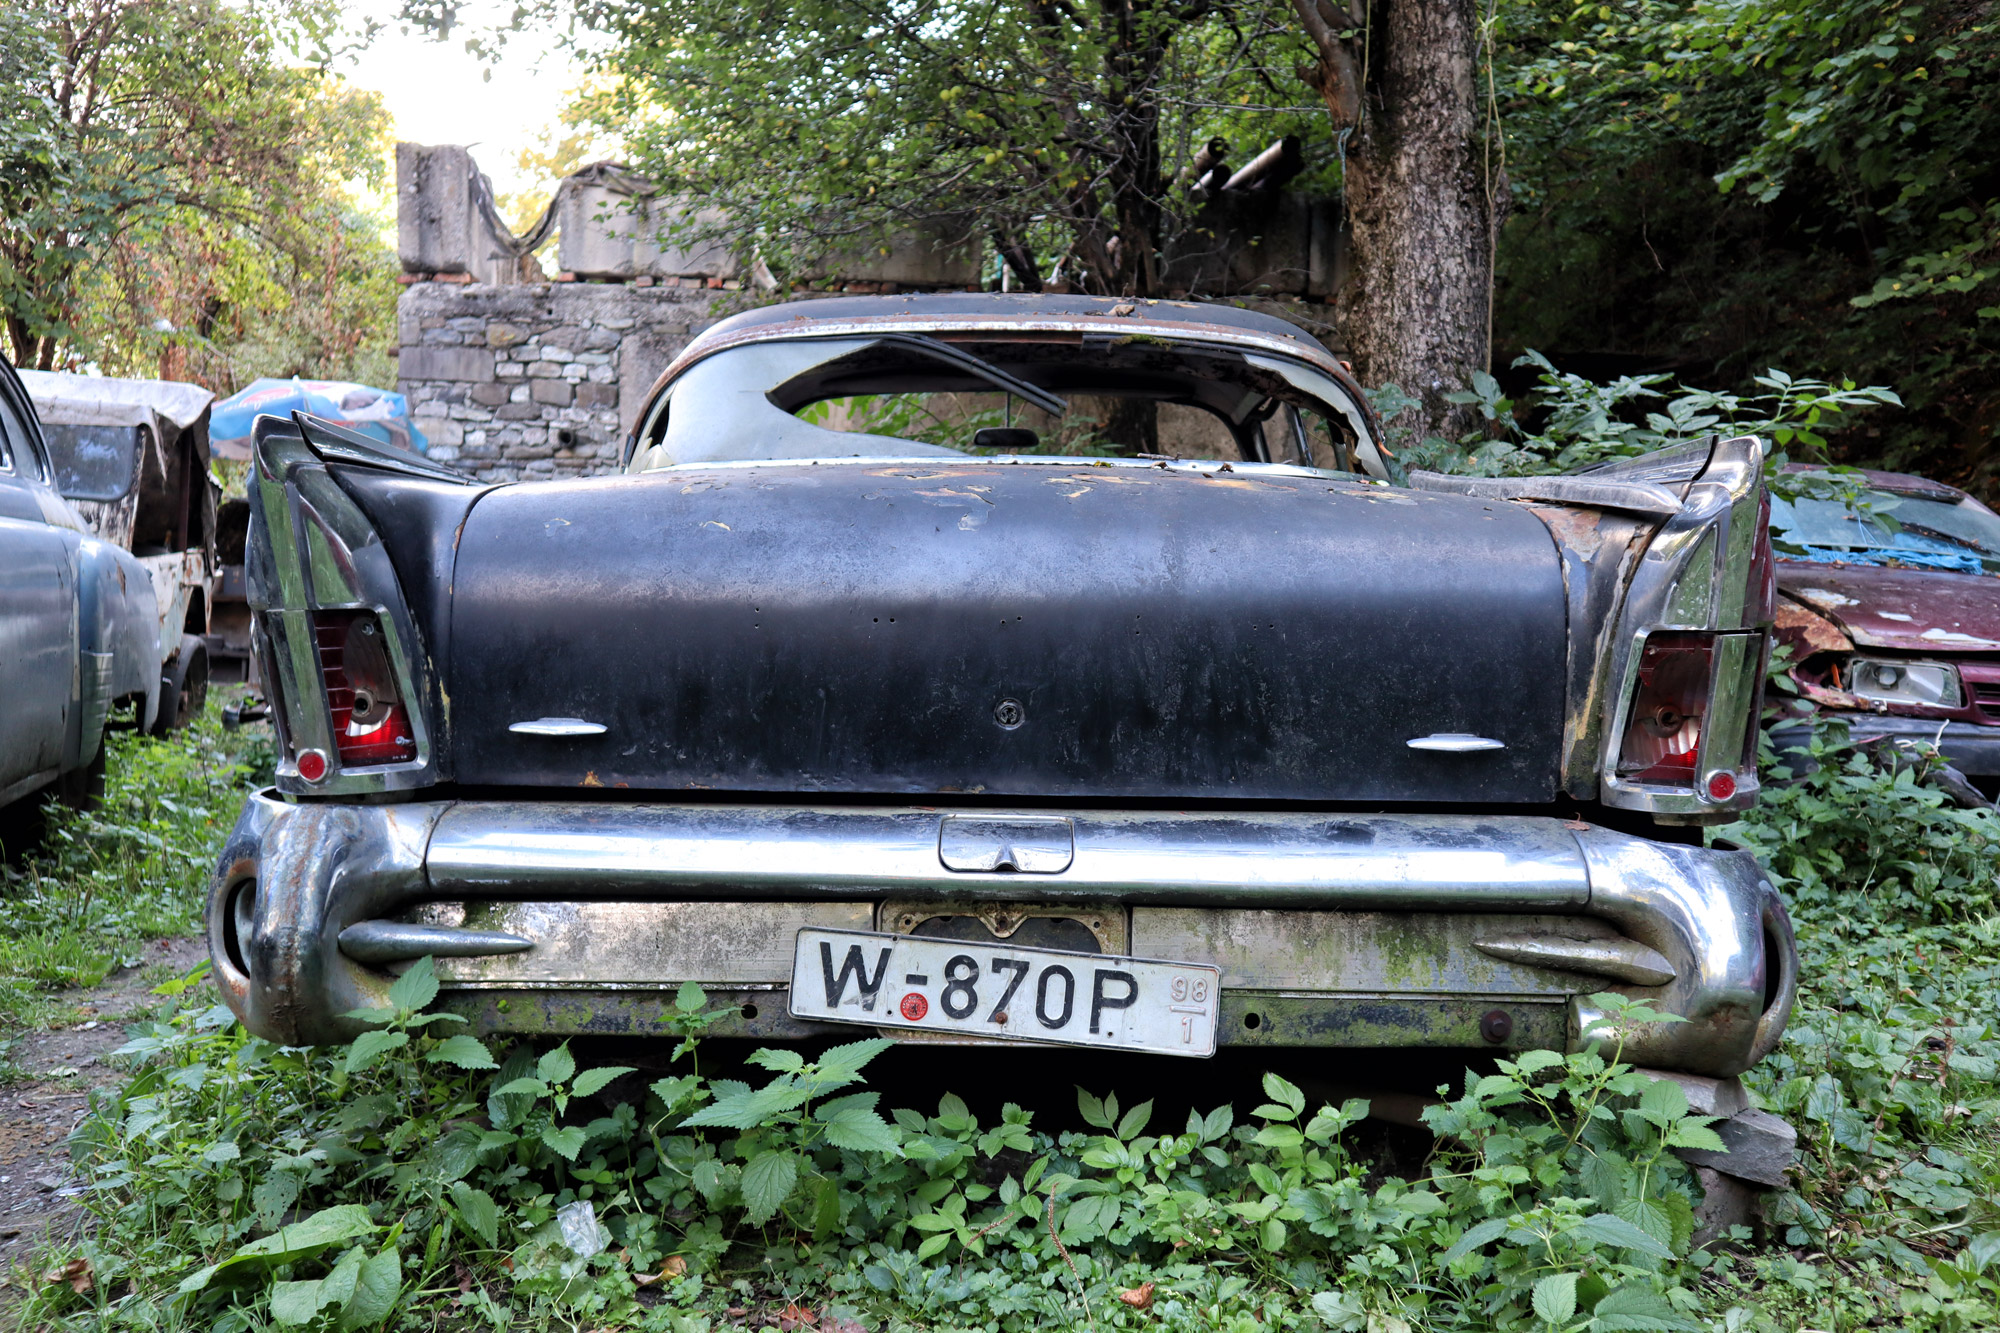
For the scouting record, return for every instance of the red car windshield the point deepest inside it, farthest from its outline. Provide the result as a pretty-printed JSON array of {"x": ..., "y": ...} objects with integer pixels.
[{"x": 1919, "y": 531}]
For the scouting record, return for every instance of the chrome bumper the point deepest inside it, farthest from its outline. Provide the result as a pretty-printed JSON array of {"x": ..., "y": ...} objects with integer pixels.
[{"x": 1331, "y": 930}]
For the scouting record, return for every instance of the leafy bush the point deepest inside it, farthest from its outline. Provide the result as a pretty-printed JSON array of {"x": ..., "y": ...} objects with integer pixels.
[
  {"x": 235, "y": 1182},
  {"x": 1577, "y": 423},
  {"x": 1889, "y": 1068},
  {"x": 1851, "y": 839}
]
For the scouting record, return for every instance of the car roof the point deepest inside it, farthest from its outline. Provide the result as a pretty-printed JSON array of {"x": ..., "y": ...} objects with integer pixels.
[
  {"x": 1033, "y": 313},
  {"x": 981, "y": 306}
]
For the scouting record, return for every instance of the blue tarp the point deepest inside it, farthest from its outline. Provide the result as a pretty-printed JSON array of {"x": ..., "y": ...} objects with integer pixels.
[
  {"x": 376, "y": 412},
  {"x": 1893, "y": 558}
]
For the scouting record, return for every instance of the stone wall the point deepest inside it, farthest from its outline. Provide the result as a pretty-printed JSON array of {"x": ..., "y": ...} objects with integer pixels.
[{"x": 539, "y": 380}]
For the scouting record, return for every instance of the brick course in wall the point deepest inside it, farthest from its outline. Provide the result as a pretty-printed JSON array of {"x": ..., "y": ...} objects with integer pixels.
[{"x": 539, "y": 380}]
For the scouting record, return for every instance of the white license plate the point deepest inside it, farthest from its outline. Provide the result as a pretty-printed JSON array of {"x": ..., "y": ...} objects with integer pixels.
[{"x": 964, "y": 989}]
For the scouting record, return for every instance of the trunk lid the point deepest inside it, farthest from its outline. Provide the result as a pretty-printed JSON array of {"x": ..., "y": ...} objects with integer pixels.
[{"x": 1007, "y": 631}]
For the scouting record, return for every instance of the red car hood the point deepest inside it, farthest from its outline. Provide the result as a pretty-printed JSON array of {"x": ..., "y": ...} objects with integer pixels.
[{"x": 1915, "y": 610}]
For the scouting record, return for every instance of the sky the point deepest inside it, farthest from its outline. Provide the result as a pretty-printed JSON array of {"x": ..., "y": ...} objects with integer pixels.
[{"x": 437, "y": 93}]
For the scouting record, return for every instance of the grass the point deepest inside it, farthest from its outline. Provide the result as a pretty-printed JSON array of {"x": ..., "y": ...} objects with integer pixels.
[
  {"x": 420, "y": 1179},
  {"x": 104, "y": 883}
]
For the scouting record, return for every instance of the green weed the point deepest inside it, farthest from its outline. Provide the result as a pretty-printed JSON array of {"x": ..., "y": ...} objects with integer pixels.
[
  {"x": 418, "y": 1175},
  {"x": 105, "y": 882}
]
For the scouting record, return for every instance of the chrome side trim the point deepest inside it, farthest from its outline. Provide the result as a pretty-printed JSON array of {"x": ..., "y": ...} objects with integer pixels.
[
  {"x": 1635, "y": 497},
  {"x": 1455, "y": 742},
  {"x": 1711, "y": 912},
  {"x": 557, "y": 726},
  {"x": 311, "y": 548},
  {"x": 1695, "y": 576},
  {"x": 1036, "y": 845}
]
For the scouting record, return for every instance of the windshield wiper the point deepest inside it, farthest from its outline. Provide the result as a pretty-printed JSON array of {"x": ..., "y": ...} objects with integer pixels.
[{"x": 939, "y": 350}]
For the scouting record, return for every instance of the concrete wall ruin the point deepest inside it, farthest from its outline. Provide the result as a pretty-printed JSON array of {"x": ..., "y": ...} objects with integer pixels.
[
  {"x": 537, "y": 380},
  {"x": 511, "y": 375}
]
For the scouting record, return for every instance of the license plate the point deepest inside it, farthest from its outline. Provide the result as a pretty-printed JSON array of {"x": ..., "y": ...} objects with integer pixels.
[{"x": 994, "y": 990}]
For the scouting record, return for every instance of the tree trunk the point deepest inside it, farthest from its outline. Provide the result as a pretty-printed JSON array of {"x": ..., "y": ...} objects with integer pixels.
[{"x": 1414, "y": 310}]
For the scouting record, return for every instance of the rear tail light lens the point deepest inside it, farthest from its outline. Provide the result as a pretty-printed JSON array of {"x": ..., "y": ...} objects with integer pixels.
[
  {"x": 371, "y": 721},
  {"x": 1669, "y": 709}
]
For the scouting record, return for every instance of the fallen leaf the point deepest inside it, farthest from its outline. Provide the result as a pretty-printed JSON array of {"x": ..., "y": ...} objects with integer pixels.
[
  {"x": 795, "y": 1316},
  {"x": 1139, "y": 1297},
  {"x": 833, "y": 1325},
  {"x": 672, "y": 1267},
  {"x": 76, "y": 1273}
]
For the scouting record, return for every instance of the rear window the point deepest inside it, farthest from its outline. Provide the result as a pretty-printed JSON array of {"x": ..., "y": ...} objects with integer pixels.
[{"x": 909, "y": 396}]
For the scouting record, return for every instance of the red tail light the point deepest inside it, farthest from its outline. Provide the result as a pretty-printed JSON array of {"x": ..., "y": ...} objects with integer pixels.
[
  {"x": 1669, "y": 709},
  {"x": 371, "y": 722}
]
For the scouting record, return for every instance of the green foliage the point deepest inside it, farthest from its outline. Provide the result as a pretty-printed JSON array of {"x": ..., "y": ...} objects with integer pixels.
[
  {"x": 332, "y": 1187},
  {"x": 1853, "y": 839},
  {"x": 823, "y": 128},
  {"x": 104, "y": 883},
  {"x": 1577, "y": 423},
  {"x": 141, "y": 149},
  {"x": 1890, "y": 1069},
  {"x": 1730, "y": 184}
]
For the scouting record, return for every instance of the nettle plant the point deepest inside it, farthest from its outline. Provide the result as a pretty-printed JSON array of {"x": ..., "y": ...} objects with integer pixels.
[
  {"x": 237, "y": 1184},
  {"x": 1582, "y": 423}
]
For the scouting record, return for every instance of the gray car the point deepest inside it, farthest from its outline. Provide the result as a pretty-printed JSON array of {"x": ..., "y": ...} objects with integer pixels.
[
  {"x": 131, "y": 456},
  {"x": 79, "y": 624}
]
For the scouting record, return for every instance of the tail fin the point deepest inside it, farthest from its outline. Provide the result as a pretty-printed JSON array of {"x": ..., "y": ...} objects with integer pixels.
[{"x": 352, "y": 674}]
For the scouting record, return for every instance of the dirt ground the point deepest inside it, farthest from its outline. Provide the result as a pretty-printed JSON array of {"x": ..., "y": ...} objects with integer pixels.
[{"x": 58, "y": 1067}]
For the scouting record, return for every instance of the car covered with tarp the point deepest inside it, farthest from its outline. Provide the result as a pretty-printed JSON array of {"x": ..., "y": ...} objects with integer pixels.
[
  {"x": 132, "y": 456},
  {"x": 380, "y": 414}
]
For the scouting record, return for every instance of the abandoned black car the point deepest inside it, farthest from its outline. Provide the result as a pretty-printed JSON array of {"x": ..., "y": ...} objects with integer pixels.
[{"x": 1011, "y": 669}]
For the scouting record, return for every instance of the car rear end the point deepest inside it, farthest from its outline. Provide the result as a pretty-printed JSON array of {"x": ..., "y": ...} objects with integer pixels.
[{"x": 1150, "y": 757}]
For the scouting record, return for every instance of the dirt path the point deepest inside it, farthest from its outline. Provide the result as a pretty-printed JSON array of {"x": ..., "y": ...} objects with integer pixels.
[{"x": 61, "y": 1067}]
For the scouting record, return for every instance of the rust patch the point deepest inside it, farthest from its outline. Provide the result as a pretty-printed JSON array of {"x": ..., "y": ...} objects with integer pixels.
[
  {"x": 1808, "y": 632},
  {"x": 1578, "y": 529},
  {"x": 1829, "y": 698}
]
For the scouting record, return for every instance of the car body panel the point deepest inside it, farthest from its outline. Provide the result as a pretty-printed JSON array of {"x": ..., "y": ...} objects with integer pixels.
[
  {"x": 862, "y": 628},
  {"x": 78, "y": 617},
  {"x": 38, "y": 632},
  {"x": 1909, "y": 610}
]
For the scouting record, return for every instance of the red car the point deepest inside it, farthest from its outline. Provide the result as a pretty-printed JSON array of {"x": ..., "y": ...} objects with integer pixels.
[{"x": 1896, "y": 624}]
